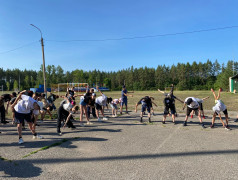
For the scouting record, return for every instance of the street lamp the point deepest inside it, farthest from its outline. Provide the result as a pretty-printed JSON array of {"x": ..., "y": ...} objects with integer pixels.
[{"x": 43, "y": 56}]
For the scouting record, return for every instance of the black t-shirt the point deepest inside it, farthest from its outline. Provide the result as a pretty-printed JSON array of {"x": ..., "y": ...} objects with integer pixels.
[
  {"x": 13, "y": 100},
  {"x": 169, "y": 101},
  {"x": 71, "y": 92},
  {"x": 145, "y": 100},
  {"x": 6, "y": 97},
  {"x": 87, "y": 98}
]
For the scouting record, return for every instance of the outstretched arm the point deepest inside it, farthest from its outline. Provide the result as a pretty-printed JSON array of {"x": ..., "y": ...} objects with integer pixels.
[
  {"x": 205, "y": 98},
  {"x": 214, "y": 94},
  {"x": 136, "y": 107},
  {"x": 179, "y": 100},
  {"x": 99, "y": 90},
  {"x": 161, "y": 91},
  {"x": 154, "y": 103},
  {"x": 219, "y": 93}
]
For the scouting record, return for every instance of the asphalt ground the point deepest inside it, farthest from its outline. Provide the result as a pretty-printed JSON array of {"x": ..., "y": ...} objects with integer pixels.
[{"x": 123, "y": 148}]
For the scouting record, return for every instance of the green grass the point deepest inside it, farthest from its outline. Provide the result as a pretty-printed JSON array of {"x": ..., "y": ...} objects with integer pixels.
[{"x": 47, "y": 147}]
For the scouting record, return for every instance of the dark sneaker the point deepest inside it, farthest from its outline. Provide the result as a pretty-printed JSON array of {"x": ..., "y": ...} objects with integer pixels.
[
  {"x": 185, "y": 123},
  {"x": 174, "y": 123},
  {"x": 163, "y": 122},
  {"x": 141, "y": 120},
  {"x": 212, "y": 126},
  {"x": 203, "y": 126},
  {"x": 236, "y": 120},
  {"x": 150, "y": 121}
]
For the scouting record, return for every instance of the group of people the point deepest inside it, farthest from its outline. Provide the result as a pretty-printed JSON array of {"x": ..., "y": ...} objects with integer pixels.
[
  {"x": 28, "y": 106},
  {"x": 194, "y": 105}
]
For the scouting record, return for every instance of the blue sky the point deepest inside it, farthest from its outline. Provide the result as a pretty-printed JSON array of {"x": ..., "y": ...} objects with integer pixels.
[{"x": 64, "y": 20}]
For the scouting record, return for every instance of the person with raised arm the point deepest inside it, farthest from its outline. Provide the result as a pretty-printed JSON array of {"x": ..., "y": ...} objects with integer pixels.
[
  {"x": 23, "y": 106},
  {"x": 219, "y": 106}
]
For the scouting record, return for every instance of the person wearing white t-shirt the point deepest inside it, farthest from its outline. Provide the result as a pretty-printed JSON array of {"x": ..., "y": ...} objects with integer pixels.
[
  {"x": 192, "y": 104},
  {"x": 23, "y": 106},
  {"x": 219, "y": 106},
  {"x": 100, "y": 102},
  {"x": 113, "y": 105}
]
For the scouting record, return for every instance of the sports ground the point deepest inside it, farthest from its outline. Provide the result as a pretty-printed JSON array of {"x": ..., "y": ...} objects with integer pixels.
[{"x": 123, "y": 148}]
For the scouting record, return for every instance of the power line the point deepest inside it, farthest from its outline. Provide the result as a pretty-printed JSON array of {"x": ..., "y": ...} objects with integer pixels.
[
  {"x": 143, "y": 37},
  {"x": 18, "y": 47},
  {"x": 125, "y": 38}
]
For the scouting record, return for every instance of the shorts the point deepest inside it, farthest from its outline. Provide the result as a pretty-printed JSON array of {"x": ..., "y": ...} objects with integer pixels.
[
  {"x": 82, "y": 102},
  {"x": 201, "y": 106},
  {"x": 124, "y": 101},
  {"x": 98, "y": 107},
  {"x": 189, "y": 110},
  {"x": 19, "y": 117},
  {"x": 225, "y": 112},
  {"x": 172, "y": 109},
  {"x": 113, "y": 106},
  {"x": 144, "y": 107}
]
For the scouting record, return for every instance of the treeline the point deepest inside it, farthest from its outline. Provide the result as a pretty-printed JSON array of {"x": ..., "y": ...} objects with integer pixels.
[{"x": 195, "y": 76}]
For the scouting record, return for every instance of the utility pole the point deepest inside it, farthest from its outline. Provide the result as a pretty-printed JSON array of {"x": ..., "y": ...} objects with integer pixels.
[{"x": 43, "y": 57}]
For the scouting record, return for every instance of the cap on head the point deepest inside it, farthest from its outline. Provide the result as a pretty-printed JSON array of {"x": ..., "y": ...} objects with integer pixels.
[{"x": 123, "y": 86}]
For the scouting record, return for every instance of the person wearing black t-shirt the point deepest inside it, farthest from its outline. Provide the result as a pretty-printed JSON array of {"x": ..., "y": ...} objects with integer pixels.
[
  {"x": 146, "y": 103},
  {"x": 169, "y": 104}
]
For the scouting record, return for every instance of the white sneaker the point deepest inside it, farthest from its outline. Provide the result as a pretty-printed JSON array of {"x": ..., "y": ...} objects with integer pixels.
[
  {"x": 104, "y": 118},
  {"x": 20, "y": 141},
  {"x": 99, "y": 120},
  {"x": 88, "y": 123},
  {"x": 81, "y": 124},
  {"x": 38, "y": 137}
]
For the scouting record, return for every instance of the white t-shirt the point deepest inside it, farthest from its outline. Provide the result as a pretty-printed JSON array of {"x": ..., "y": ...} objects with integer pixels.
[
  {"x": 199, "y": 100},
  {"x": 101, "y": 100},
  {"x": 25, "y": 105},
  {"x": 67, "y": 106},
  {"x": 194, "y": 104},
  {"x": 115, "y": 101},
  {"x": 220, "y": 106}
]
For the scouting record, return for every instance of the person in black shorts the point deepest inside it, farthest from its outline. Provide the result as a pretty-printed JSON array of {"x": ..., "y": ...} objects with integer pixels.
[
  {"x": 23, "y": 106},
  {"x": 169, "y": 104},
  {"x": 146, "y": 103},
  {"x": 192, "y": 104}
]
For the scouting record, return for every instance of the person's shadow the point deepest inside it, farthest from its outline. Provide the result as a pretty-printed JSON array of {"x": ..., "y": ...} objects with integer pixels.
[{"x": 20, "y": 169}]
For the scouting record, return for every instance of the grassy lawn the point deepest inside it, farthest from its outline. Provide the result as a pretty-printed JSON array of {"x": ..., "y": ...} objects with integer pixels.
[{"x": 230, "y": 100}]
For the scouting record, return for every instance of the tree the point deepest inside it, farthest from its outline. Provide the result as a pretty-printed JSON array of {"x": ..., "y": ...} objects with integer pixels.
[
  {"x": 8, "y": 85},
  {"x": 15, "y": 85}
]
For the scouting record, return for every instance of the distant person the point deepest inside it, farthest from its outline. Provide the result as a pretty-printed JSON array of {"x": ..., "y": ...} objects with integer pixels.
[
  {"x": 200, "y": 101},
  {"x": 192, "y": 104},
  {"x": 100, "y": 103},
  {"x": 91, "y": 105},
  {"x": 169, "y": 104},
  {"x": 219, "y": 106},
  {"x": 124, "y": 94},
  {"x": 113, "y": 105},
  {"x": 145, "y": 105}
]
